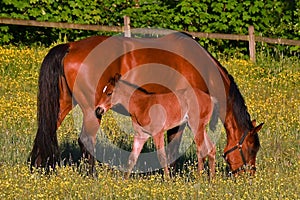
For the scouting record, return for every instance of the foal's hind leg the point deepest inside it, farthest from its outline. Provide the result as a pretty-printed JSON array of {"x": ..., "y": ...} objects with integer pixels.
[
  {"x": 158, "y": 140},
  {"x": 138, "y": 143}
]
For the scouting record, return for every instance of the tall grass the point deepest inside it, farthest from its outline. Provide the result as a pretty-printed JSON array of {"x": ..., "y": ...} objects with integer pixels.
[{"x": 270, "y": 88}]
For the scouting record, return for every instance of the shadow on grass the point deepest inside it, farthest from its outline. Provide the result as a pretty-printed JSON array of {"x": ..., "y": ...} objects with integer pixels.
[{"x": 116, "y": 157}]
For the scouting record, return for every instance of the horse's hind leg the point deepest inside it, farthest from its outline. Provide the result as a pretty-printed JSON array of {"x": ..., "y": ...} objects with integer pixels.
[
  {"x": 158, "y": 140},
  {"x": 138, "y": 143},
  {"x": 65, "y": 101}
]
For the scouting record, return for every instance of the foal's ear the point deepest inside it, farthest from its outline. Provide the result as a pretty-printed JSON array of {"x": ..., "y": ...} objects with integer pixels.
[{"x": 117, "y": 77}]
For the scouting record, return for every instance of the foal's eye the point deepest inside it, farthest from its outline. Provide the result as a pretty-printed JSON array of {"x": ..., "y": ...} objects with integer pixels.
[{"x": 109, "y": 94}]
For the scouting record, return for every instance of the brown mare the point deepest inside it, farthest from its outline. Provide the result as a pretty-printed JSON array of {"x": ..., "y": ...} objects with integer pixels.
[
  {"x": 76, "y": 73},
  {"x": 153, "y": 114}
]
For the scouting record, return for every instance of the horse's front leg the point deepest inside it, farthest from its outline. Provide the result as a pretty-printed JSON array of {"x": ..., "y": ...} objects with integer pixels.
[
  {"x": 158, "y": 140},
  {"x": 201, "y": 148},
  {"x": 205, "y": 148},
  {"x": 212, "y": 162},
  {"x": 87, "y": 140},
  {"x": 210, "y": 148},
  {"x": 138, "y": 143}
]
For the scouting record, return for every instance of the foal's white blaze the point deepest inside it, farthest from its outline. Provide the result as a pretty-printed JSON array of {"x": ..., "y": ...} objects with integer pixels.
[{"x": 104, "y": 89}]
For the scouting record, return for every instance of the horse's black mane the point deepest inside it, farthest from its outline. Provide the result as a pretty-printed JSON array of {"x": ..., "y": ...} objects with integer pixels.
[
  {"x": 235, "y": 97},
  {"x": 240, "y": 110}
]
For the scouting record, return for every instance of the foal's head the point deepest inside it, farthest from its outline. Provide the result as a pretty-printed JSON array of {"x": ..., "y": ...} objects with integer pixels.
[{"x": 107, "y": 99}]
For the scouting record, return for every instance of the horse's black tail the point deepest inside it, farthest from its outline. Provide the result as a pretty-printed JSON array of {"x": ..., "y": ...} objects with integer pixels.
[
  {"x": 45, "y": 152},
  {"x": 215, "y": 114}
]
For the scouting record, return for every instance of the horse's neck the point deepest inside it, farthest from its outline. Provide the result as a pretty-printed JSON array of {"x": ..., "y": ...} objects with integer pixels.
[
  {"x": 225, "y": 106},
  {"x": 235, "y": 127},
  {"x": 231, "y": 127}
]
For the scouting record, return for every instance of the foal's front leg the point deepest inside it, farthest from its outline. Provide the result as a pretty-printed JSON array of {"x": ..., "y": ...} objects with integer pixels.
[
  {"x": 138, "y": 143},
  {"x": 158, "y": 140}
]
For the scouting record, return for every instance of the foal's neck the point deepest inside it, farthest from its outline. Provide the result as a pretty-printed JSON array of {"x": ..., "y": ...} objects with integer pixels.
[{"x": 126, "y": 91}]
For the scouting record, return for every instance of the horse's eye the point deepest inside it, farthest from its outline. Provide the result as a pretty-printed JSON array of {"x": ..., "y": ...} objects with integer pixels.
[{"x": 109, "y": 94}]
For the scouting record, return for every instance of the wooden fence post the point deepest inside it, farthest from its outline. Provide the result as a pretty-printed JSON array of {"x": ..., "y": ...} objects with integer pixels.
[
  {"x": 127, "y": 32},
  {"x": 252, "y": 43}
]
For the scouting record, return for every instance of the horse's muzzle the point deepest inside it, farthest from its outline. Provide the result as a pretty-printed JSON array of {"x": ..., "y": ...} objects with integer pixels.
[{"x": 99, "y": 112}]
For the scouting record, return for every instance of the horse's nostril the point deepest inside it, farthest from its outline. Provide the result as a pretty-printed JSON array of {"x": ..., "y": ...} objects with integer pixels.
[{"x": 99, "y": 112}]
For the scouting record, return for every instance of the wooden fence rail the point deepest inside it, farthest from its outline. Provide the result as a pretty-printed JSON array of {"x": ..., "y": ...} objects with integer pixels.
[
  {"x": 23, "y": 22},
  {"x": 251, "y": 38}
]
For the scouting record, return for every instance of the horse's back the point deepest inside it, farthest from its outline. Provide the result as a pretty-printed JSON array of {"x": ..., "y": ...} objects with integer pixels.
[{"x": 78, "y": 52}]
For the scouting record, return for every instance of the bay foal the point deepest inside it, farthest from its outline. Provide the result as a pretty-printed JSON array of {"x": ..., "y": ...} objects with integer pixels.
[{"x": 152, "y": 114}]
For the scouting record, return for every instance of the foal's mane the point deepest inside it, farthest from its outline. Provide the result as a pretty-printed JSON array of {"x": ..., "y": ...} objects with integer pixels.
[
  {"x": 136, "y": 87},
  {"x": 235, "y": 97}
]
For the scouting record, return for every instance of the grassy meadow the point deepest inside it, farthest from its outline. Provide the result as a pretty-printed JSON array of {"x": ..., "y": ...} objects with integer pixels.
[{"x": 271, "y": 90}]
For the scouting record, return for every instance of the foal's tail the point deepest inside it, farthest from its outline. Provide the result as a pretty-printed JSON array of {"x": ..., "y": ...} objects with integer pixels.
[
  {"x": 215, "y": 114},
  {"x": 45, "y": 151}
]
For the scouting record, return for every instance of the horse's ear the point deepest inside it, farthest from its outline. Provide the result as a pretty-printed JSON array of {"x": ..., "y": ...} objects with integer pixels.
[
  {"x": 254, "y": 122},
  {"x": 257, "y": 128}
]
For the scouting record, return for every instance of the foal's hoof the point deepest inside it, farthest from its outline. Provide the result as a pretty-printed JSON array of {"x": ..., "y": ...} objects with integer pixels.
[
  {"x": 126, "y": 175},
  {"x": 167, "y": 178}
]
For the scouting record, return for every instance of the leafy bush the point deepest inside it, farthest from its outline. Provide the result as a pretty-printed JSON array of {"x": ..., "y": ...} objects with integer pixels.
[{"x": 270, "y": 18}]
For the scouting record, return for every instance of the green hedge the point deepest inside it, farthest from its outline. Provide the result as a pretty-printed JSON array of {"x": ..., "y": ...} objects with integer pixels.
[{"x": 271, "y": 18}]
